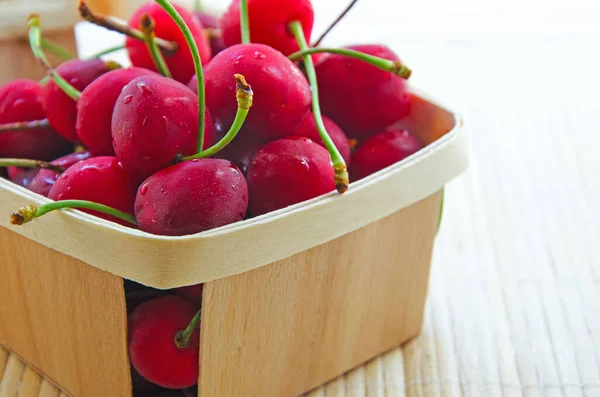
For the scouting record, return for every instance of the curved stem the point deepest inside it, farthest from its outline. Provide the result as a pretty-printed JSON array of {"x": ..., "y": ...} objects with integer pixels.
[
  {"x": 147, "y": 24},
  {"x": 27, "y": 163},
  {"x": 107, "y": 51},
  {"x": 441, "y": 209},
  {"x": 244, "y": 96},
  {"x": 121, "y": 27},
  {"x": 337, "y": 20},
  {"x": 30, "y": 212},
  {"x": 168, "y": 7},
  {"x": 182, "y": 338},
  {"x": 396, "y": 67},
  {"x": 56, "y": 49},
  {"x": 197, "y": 6},
  {"x": 25, "y": 125},
  {"x": 35, "y": 38},
  {"x": 244, "y": 21},
  {"x": 339, "y": 165}
]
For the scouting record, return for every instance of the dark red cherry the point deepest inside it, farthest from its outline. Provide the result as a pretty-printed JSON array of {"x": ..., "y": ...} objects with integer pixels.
[
  {"x": 20, "y": 100},
  {"x": 359, "y": 97},
  {"x": 213, "y": 31},
  {"x": 286, "y": 172},
  {"x": 60, "y": 109},
  {"x": 281, "y": 92},
  {"x": 269, "y": 21},
  {"x": 45, "y": 179},
  {"x": 101, "y": 180},
  {"x": 180, "y": 62},
  {"x": 155, "y": 119},
  {"x": 22, "y": 176},
  {"x": 308, "y": 129},
  {"x": 191, "y": 197},
  {"x": 381, "y": 151},
  {"x": 191, "y": 292},
  {"x": 96, "y": 105}
]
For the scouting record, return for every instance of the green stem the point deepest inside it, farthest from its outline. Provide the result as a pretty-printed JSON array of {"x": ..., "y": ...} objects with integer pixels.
[
  {"x": 147, "y": 26},
  {"x": 30, "y": 212},
  {"x": 25, "y": 125},
  {"x": 244, "y": 21},
  {"x": 244, "y": 96},
  {"x": 339, "y": 165},
  {"x": 197, "y": 6},
  {"x": 168, "y": 7},
  {"x": 395, "y": 67},
  {"x": 35, "y": 38},
  {"x": 58, "y": 50},
  {"x": 27, "y": 163},
  {"x": 182, "y": 338},
  {"x": 107, "y": 51}
]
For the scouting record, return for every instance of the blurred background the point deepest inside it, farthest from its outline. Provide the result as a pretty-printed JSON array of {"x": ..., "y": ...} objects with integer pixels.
[{"x": 514, "y": 294}]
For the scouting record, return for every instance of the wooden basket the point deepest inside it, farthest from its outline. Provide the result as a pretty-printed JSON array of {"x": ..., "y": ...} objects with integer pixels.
[{"x": 291, "y": 300}]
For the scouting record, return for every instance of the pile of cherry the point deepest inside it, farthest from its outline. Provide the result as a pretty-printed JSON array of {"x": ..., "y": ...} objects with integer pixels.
[{"x": 174, "y": 148}]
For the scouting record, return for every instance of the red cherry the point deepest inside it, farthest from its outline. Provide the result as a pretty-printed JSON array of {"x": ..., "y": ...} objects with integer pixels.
[
  {"x": 60, "y": 109},
  {"x": 20, "y": 100},
  {"x": 191, "y": 292},
  {"x": 286, "y": 172},
  {"x": 359, "y": 97},
  {"x": 241, "y": 151},
  {"x": 96, "y": 105},
  {"x": 211, "y": 24},
  {"x": 155, "y": 119},
  {"x": 101, "y": 180},
  {"x": 269, "y": 20},
  {"x": 45, "y": 179},
  {"x": 381, "y": 151},
  {"x": 191, "y": 197},
  {"x": 308, "y": 129},
  {"x": 153, "y": 327},
  {"x": 282, "y": 94},
  {"x": 22, "y": 176},
  {"x": 180, "y": 63}
]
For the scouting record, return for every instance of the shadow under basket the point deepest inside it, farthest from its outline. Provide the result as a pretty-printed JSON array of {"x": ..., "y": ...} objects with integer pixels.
[{"x": 292, "y": 299}]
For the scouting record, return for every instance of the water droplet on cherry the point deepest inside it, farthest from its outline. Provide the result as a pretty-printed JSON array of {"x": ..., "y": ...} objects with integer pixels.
[
  {"x": 144, "y": 189},
  {"x": 143, "y": 88},
  {"x": 127, "y": 99},
  {"x": 259, "y": 55}
]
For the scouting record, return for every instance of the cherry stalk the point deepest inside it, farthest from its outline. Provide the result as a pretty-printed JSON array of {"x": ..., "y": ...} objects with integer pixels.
[
  {"x": 27, "y": 163},
  {"x": 244, "y": 22},
  {"x": 333, "y": 25},
  {"x": 25, "y": 125},
  {"x": 29, "y": 212},
  {"x": 148, "y": 25},
  {"x": 57, "y": 49},
  {"x": 341, "y": 177}
]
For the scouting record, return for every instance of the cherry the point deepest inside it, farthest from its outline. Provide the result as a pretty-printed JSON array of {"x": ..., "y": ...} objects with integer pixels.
[
  {"x": 158, "y": 348},
  {"x": 156, "y": 119},
  {"x": 212, "y": 29},
  {"x": 22, "y": 176},
  {"x": 96, "y": 105},
  {"x": 191, "y": 197},
  {"x": 45, "y": 178},
  {"x": 282, "y": 91},
  {"x": 20, "y": 101},
  {"x": 61, "y": 109},
  {"x": 269, "y": 20},
  {"x": 286, "y": 172},
  {"x": 180, "y": 62},
  {"x": 241, "y": 151},
  {"x": 192, "y": 292},
  {"x": 381, "y": 151},
  {"x": 359, "y": 97},
  {"x": 101, "y": 180},
  {"x": 308, "y": 129}
]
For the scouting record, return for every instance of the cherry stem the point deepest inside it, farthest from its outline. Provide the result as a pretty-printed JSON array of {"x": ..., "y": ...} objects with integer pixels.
[
  {"x": 182, "y": 338},
  {"x": 244, "y": 22},
  {"x": 29, "y": 212},
  {"x": 244, "y": 96},
  {"x": 396, "y": 67},
  {"x": 339, "y": 165},
  {"x": 337, "y": 20},
  {"x": 56, "y": 49},
  {"x": 27, "y": 163},
  {"x": 107, "y": 51},
  {"x": 174, "y": 14},
  {"x": 197, "y": 6},
  {"x": 25, "y": 125},
  {"x": 148, "y": 25},
  {"x": 35, "y": 38},
  {"x": 439, "y": 223},
  {"x": 122, "y": 27}
]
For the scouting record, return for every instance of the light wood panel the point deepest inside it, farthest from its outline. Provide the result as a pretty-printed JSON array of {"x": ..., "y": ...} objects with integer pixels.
[
  {"x": 288, "y": 327},
  {"x": 66, "y": 318}
]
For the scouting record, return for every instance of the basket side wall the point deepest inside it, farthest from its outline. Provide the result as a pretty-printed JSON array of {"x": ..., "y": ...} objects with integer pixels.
[{"x": 290, "y": 326}]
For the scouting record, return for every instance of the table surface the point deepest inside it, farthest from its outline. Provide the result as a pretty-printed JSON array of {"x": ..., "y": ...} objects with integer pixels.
[{"x": 514, "y": 299}]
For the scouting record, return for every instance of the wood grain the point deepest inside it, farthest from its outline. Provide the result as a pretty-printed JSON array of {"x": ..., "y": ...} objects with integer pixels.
[
  {"x": 66, "y": 318},
  {"x": 288, "y": 327}
]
